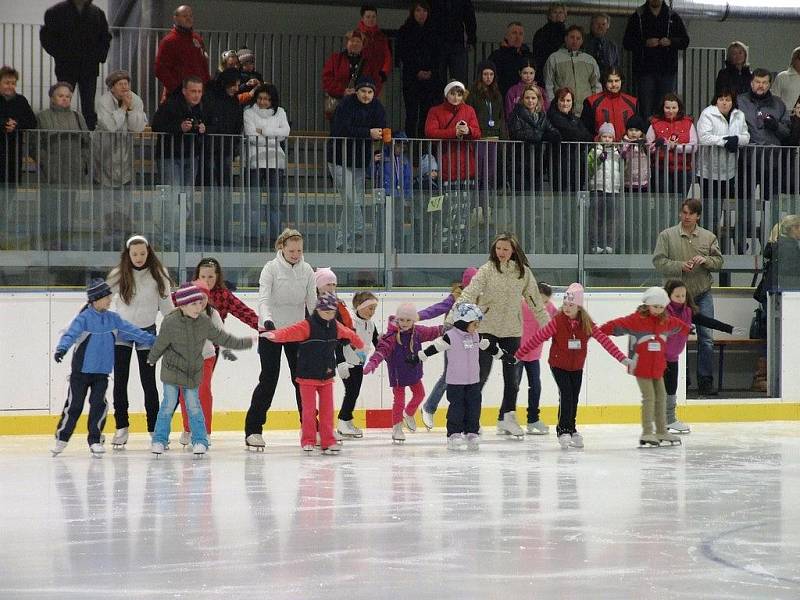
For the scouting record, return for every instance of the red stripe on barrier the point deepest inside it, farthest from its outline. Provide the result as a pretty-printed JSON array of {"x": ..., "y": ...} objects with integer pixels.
[{"x": 379, "y": 418}]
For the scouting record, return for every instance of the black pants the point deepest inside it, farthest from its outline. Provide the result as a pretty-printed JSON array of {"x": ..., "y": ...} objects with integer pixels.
[
  {"x": 418, "y": 98},
  {"x": 270, "y": 355},
  {"x": 511, "y": 373},
  {"x": 352, "y": 388},
  {"x": 79, "y": 383},
  {"x": 86, "y": 81},
  {"x": 569, "y": 388},
  {"x": 147, "y": 375},
  {"x": 671, "y": 378},
  {"x": 464, "y": 412}
]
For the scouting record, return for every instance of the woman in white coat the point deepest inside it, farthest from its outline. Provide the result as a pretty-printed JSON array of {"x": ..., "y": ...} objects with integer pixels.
[
  {"x": 286, "y": 290},
  {"x": 721, "y": 130},
  {"x": 266, "y": 126}
]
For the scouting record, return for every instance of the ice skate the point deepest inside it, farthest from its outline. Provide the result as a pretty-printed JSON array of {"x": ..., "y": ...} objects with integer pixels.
[
  {"x": 97, "y": 450},
  {"x": 473, "y": 441},
  {"x": 255, "y": 442},
  {"x": 347, "y": 430},
  {"x": 398, "y": 437},
  {"x": 59, "y": 447},
  {"x": 648, "y": 439},
  {"x": 576, "y": 440},
  {"x": 427, "y": 419},
  {"x": 120, "y": 439},
  {"x": 308, "y": 448},
  {"x": 185, "y": 439},
  {"x": 332, "y": 450},
  {"x": 564, "y": 440},
  {"x": 537, "y": 428},
  {"x": 157, "y": 448},
  {"x": 410, "y": 422},
  {"x": 509, "y": 426},
  {"x": 455, "y": 441},
  {"x": 678, "y": 426},
  {"x": 669, "y": 438},
  {"x": 199, "y": 450}
]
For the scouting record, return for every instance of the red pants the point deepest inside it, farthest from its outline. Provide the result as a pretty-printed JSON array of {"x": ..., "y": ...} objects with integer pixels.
[
  {"x": 309, "y": 388},
  {"x": 206, "y": 400},
  {"x": 417, "y": 396}
]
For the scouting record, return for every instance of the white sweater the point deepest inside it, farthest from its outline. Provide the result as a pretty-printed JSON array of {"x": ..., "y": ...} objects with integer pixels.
[
  {"x": 145, "y": 303},
  {"x": 286, "y": 291},
  {"x": 365, "y": 330},
  {"x": 715, "y": 161},
  {"x": 265, "y": 128}
]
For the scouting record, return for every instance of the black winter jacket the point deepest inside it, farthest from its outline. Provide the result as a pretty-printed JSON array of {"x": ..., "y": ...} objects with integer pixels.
[
  {"x": 508, "y": 61},
  {"x": 451, "y": 19},
  {"x": 417, "y": 49},
  {"x": 168, "y": 119},
  {"x": 16, "y": 108},
  {"x": 731, "y": 78},
  {"x": 570, "y": 127},
  {"x": 78, "y": 42},
  {"x": 531, "y": 128},
  {"x": 642, "y": 24},
  {"x": 546, "y": 40},
  {"x": 353, "y": 119}
]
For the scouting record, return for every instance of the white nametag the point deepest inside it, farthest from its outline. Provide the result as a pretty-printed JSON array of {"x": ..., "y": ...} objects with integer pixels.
[
  {"x": 653, "y": 347},
  {"x": 574, "y": 344}
]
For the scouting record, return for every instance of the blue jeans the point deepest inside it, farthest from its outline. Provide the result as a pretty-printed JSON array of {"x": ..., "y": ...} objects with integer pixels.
[
  {"x": 432, "y": 403},
  {"x": 705, "y": 343},
  {"x": 533, "y": 372},
  {"x": 650, "y": 89},
  {"x": 169, "y": 402}
]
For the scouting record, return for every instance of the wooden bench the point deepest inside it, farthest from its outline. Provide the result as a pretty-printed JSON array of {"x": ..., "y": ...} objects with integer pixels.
[{"x": 728, "y": 342}]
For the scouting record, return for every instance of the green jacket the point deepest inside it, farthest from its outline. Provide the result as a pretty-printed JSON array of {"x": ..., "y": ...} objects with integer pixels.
[
  {"x": 674, "y": 247},
  {"x": 180, "y": 342},
  {"x": 481, "y": 106}
]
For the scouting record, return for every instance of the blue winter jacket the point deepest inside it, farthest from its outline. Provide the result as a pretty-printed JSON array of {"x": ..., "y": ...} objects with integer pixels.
[
  {"x": 403, "y": 187},
  {"x": 93, "y": 334}
]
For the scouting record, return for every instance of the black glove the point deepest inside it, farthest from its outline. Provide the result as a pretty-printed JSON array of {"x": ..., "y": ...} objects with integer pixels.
[
  {"x": 660, "y": 143},
  {"x": 770, "y": 122},
  {"x": 269, "y": 325},
  {"x": 413, "y": 359},
  {"x": 603, "y": 156},
  {"x": 731, "y": 143},
  {"x": 59, "y": 355},
  {"x": 509, "y": 359}
]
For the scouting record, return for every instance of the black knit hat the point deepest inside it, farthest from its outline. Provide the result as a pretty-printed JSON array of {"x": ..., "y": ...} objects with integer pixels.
[
  {"x": 637, "y": 122},
  {"x": 97, "y": 289},
  {"x": 228, "y": 77},
  {"x": 483, "y": 65},
  {"x": 366, "y": 82}
]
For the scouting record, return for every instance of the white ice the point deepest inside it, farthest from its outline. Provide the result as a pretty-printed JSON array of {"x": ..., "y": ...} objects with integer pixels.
[{"x": 716, "y": 518}]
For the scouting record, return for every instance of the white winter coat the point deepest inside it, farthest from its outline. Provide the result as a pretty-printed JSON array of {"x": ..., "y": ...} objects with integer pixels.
[
  {"x": 265, "y": 151},
  {"x": 286, "y": 291},
  {"x": 366, "y": 331},
  {"x": 787, "y": 87},
  {"x": 605, "y": 176},
  {"x": 715, "y": 161}
]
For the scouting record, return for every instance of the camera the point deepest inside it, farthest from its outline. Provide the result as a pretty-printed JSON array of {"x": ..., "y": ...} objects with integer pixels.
[{"x": 195, "y": 124}]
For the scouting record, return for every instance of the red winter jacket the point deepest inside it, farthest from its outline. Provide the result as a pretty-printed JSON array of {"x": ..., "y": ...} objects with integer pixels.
[
  {"x": 605, "y": 107},
  {"x": 649, "y": 362},
  {"x": 457, "y": 160},
  {"x": 681, "y": 131},
  {"x": 343, "y": 315},
  {"x": 336, "y": 73},
  {"x": 181, "y": 54},
  {"x": 376, "y": 52}
]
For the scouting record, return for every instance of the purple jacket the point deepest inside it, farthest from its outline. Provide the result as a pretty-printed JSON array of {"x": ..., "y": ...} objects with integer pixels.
[
  {"x": 435, "y": 310},
  {"x": 402, "y": 373},
  {"x": 463, "y": 366},
  {"x": 676, "y": 343}
]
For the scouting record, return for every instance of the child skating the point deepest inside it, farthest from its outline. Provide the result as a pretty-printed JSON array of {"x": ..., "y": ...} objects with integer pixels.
[
  {"x": 570, "y": 331},
  {"x": 94, "y": 331},
  {"x": 650, "y": 327}
]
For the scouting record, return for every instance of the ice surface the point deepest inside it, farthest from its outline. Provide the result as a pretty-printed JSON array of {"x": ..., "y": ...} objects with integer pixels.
[{"x": 716, "y": 518}]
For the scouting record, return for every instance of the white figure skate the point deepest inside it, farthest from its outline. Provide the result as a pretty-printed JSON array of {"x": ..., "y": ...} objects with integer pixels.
[
  {"x": 120, "y": 439},
  {"x": 255, "y": 442},
  {"x": 157, "y": 448},
  {"x": 347, "y": 430},
  {"x": 576, "y": 440},
  {"x": 678, "y": 426},
  {"x": 398, "y": 437},
  {"x": 455, "y": 441},
  {"x": 427, "y": 419},
  {"x": 185, "y": 439},
  {"x": 199, "y": 450},
  {"x": 59, "y": 447},
  {"x": 97, "y": 450},
  {"x": 410, "y": 422},
  {"x": 564, "y": 440},
  {"x": 509, "y": 426},
  {"x": 473, "y": 441},
  {"x": 668, "y": 438}
]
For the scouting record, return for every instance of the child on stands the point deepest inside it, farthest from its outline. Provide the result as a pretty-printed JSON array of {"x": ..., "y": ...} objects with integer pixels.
[
  {"x": 605, "y": 184},
  {"x": 319, "y": 335},
  {"x": 399, "y": 347},
  {"x": 570, "y": 331},
  {"x": 392, "y": 169},
  {"x": 351, "y": 361},
  {"x": 681, "y": 306},
  {"x": 463, "y": 342},
  {"x": 527, "y": 76},
  {"x": 181, "y": 341},
  {"x": 428, "y": 173},
  {"x": 94, "y": 330},
  {"x": 636, "y": 155},
  {"x": 530, "y": 360},
  {"x": 650, "y": 326}
]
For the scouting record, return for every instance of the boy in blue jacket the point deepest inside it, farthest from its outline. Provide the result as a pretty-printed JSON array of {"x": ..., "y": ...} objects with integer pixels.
[{"x": 93, "y": 332}]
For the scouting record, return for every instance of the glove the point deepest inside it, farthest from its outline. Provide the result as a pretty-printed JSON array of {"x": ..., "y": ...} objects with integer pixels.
[
  {"x": 59, "y": 355},
  {"x": 731, "y": 143},
  {"x": 603, "y": 156},
  {"x": 770, "y": 122},
  {"x": 343, "y": 369},
  {"x": 484, "y": 344},
  {"x": 738, "y": 331},
  {"x": 269, "y": 325},
  {"x": 509, "y": 359},
  {"x": 368, "y": 369},
  {"x": 413, "y": 359},
  {"x": 660, "y": 143},
  {"x": 228, "y": 355}
]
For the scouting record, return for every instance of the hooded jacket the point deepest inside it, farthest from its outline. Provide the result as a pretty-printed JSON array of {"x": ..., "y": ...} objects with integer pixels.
[
  {"x": 605, "y": 107},
  {"x": 353, "y": 119},
  {"x": 402, "y": 373},
  {"x": 643, "y": 24}
]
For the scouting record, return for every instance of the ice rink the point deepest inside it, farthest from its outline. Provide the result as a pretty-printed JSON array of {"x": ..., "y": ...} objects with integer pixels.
[{"x": 716, "y": 518}]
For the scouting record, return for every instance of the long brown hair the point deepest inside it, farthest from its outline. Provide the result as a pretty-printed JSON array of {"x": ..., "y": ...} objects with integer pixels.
[
  {"x": 517, "y": 254},
  {"x": 674, "y": 284},
  {"x": 586, "y": 321},
  {"x": 644, "y": 311},
  {"x": 124, "y": 271}
]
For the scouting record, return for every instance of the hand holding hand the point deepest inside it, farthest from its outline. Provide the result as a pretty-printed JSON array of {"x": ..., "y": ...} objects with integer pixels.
[
  {"x": 652, "y": 42},
  {"x": 698, "y": 260},
  {"x": 269, "y": 325},
  {"x": 509, "y": 359},
  {"x": 628, "y": 364},
  {"x": 665, "y": 42},
  {"x": 687, "y": 266},
  {"x": 368, "y": 369},
  {"x": 484, "y": 344}
]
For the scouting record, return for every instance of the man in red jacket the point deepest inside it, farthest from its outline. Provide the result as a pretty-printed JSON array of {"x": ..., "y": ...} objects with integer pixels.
[{"x": 181, "y": 54}]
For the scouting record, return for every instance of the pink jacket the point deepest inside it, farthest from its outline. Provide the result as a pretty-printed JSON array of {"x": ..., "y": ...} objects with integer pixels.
[
  {"x": 530, "y": 326},
  {"x": 514, "y": 93}
]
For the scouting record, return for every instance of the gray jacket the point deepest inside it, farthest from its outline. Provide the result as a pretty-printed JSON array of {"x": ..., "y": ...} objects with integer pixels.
[
  {"x": 674, "y": 247},
  {"x": 751, "y": 105}
]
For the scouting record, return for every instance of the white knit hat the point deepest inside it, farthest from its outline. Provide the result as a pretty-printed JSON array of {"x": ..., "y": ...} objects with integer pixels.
[
  {"x": 453, "y": 84},
  {"x": 655, "y": 296}
]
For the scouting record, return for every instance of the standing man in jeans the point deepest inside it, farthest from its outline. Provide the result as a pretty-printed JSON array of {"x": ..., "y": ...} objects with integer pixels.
[{"x": 690, "y": 253}]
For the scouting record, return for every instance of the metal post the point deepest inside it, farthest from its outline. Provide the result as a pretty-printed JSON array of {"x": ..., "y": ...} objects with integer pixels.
[
  {"x": 182, "y": 199},
  {"x": 388, "y": 229},
  {"x": 583, "y": 210}
]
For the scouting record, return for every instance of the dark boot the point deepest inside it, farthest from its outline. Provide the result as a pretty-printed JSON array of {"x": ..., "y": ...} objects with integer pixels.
[{"x": 705, "y": 387}]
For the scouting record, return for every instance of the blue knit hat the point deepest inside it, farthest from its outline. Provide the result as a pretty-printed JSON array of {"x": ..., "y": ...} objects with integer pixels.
[{"x": 97, "y": 289}]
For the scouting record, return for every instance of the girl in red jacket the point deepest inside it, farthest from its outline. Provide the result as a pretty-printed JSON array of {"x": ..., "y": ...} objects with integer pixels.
[
  {"x": 650, "y": 327},
  {"x": 673, "y": 137},
  {"x": 454, "y": 120},
  {"x": 319, "y": 336},
  {"x": 570, "y": 330}
]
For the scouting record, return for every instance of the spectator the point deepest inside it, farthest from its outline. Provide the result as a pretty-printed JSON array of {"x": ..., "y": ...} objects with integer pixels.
[
  {"x": 227, "y": 121},
  {"x": 791, "y": 174},
  {"x": 602, "y": 49},
  {"x": 528, "y": 123},
  {"x": 248, "y": 76},
  {"x": 229, "y": 60},
  {"x": 609, "y": 106},
  {"x": 690, "y": 253},
  {"x": 181, "y": 54},
  {"x": 266, "y": 126},
  {"x": 453, "y": 119},
  {"x": 417, "y": 51},
  {"x": 571, "y": 67},
  {"x": 120, "y": 112},
  {"x": 673, "y": 137},
  {"x": 571, "y": 129},
  {"x": 527, "y": 77},
  {"x": 75, "y": 34},
  {"x": 360, "y": 118},
  {"x": 550, "y": 37},
  {"x": 15, "y": 117},
  {"x": 654, "y": 35},
  {"x": 185, "y": 116},
  {"x": 376, "y": 45},
  {"x": 786, "y": 256},
  {"x": 343, "y": 69},
  {"x": 392, "y": 171},
  {"x": 484, "y": 97},
  {"x": 510, "y": 57},
  {"x": 455, "y": 27},
  {"x": 787, "y": 83},
  {"x": 736, "y": 74},
  {"x": 636, "y": 155},
  {"x": 605, "y": 183},
  {"x": 721, "y": 129},
  {"x": 62, "y": 154}
]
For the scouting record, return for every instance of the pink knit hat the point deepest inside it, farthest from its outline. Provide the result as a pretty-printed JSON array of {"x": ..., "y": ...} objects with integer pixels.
[
  {"x": 407, "y": 310},
  {"x": 574, "y": 294},
  {"x": 606, "y": 129},
  {"x": 467, "y": 276},
  {"x": 323, "y": 276}
]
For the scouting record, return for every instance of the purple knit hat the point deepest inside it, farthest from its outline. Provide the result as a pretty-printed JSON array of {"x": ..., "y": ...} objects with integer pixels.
[
  {"x": 187, "y": 293},
  {"x": 328, "y": 301}
]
